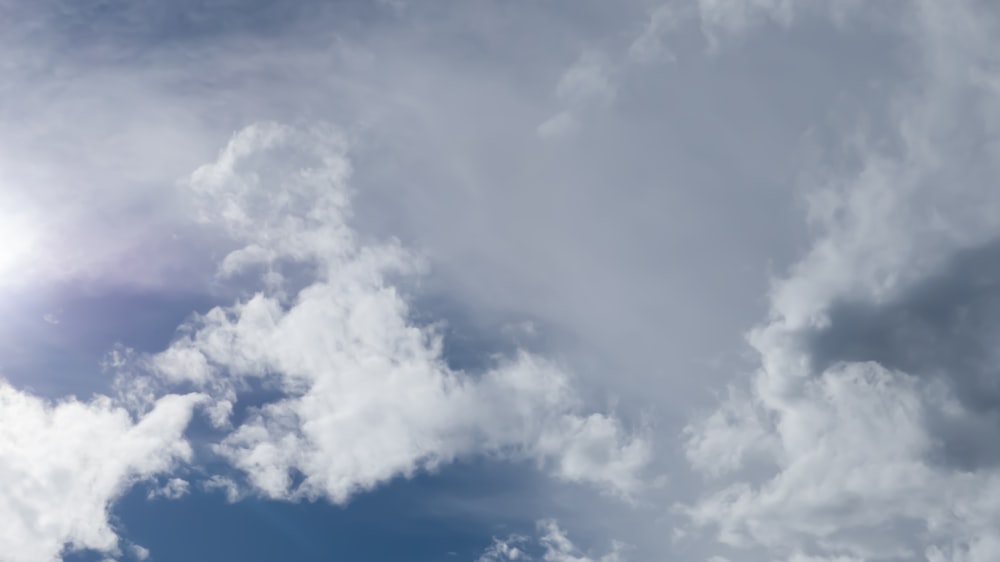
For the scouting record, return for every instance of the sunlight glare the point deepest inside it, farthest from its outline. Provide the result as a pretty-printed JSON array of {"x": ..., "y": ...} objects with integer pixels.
[{"x": 16, "y": 242}]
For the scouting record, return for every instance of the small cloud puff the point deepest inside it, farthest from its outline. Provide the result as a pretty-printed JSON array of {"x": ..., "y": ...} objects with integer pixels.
[
  {"x": 172, "y": 489},
  {"x": 551, "y": 544}
]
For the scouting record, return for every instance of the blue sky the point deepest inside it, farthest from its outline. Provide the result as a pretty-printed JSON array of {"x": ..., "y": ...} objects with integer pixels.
[{"x": 497, "y": 281}]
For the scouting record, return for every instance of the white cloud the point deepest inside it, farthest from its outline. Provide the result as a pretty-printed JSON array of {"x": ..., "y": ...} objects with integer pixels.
[
  {"x": 559, "y": 125},
  {"x": 590, "y": 81},
  {"x": 553, "y": 543},
  {"x": 139, "y": 552},
  {"x": 368, "y": 393},
  {"x": 63, "y": 464},
  {"x": 871, "y": 404},
  {"x": 227, "y": 486},
  {"x": 493, "y": 196},
  {"x": 505, "y": 550},
  {"x": 799, "y": 557},
  {"x": 558, "y": 547},
  {"x": 733, "y": 16},
  {"x": 724, "y": 440},
  {"x": 649, "y": 45},
  {"x": 723, "y": 20},
  {"x": 172, "y": 489},
  {"x": 851, "y": 455}
]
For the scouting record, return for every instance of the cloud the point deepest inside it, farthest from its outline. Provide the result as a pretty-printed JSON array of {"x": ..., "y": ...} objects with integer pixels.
[
  {"x": 505, "y": 549},
  {"x": 64, "y": 463},
  {"x": 172, "y": 489},
  {"x": 367, "y": 394},
  {"x": 649, "y": 45},
  {"x": 723, "y": 20},
  {"x": 558, "y": 547},
  {"x": 590, "y": 81},
  {"x": 139, "y": 552},
  {"x": 587, "y": 80},
  {"x": 229, "y": 487},
  {"x": 866, "y": 433},
  {"x": 559, "y": 125},
  {"x": 940, "y": 329},
  {"x": 799, "y": 557},
  {"x": 736, "y": 16},
  {"x": 606, "y": 239},
  {"x": 726, "y": 21},
  {"x": 552, "y": 544}
]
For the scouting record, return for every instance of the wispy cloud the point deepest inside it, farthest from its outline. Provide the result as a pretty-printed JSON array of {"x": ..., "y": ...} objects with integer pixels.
[{"x": 551, "y": 544}]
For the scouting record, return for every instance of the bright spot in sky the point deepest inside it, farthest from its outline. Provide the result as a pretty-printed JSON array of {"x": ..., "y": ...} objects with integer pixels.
[{"x": 17, "y": 239}]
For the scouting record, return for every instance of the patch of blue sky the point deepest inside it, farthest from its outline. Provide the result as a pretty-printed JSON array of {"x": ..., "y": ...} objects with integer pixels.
[
  {"x": 452, "y": 514},
  {"x": 55, "y": 342}
]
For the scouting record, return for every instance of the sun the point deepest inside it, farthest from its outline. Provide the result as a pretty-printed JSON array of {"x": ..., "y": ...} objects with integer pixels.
[{"x": 17, "y": 241}]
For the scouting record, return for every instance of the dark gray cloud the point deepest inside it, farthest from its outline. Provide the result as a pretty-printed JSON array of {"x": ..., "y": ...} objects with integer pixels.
[
  {"x": 947, "y": 325},
  {"x": 943, "y": 329}
]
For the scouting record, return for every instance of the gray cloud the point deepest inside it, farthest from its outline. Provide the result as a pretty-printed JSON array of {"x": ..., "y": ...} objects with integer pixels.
[
  {"x": 554, "y": 544},
  {"x": 875, "y": 399},
  {"x": 944, "y": 329},
  {"x": 946, "y": 325}
]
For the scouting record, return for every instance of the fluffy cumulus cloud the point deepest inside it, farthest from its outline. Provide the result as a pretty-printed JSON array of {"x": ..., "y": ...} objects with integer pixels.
[
  {"x": 64, "y": 463},
  {"x": 366, "y": 394},
  {"x": 867, "y": 432}
]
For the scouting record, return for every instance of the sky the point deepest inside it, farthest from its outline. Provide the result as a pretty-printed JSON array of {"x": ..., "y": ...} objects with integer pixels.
[{"x": 499, "y": 280}]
